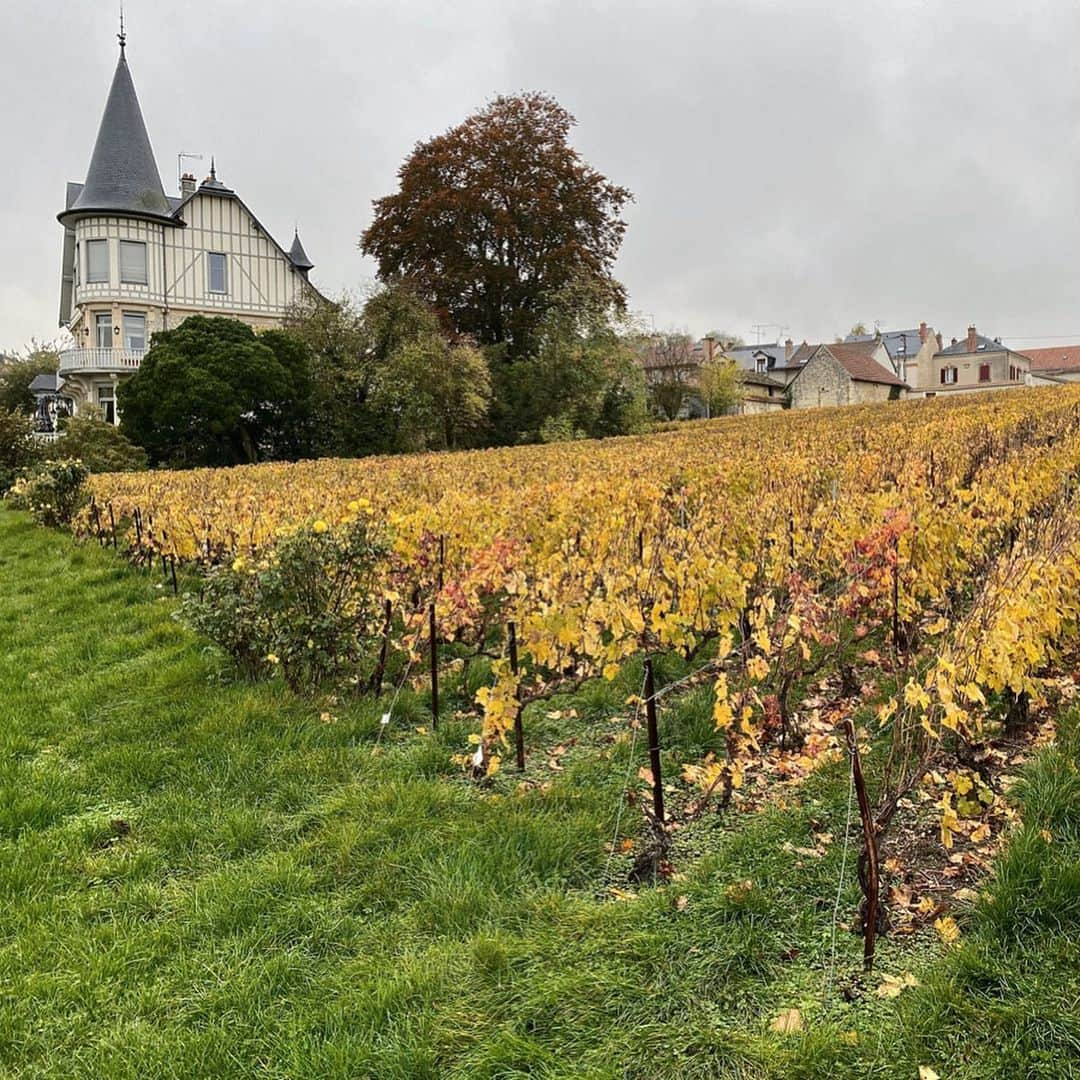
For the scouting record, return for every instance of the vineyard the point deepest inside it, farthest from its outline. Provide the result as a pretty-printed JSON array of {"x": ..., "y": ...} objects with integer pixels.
[{"x": 905, "y": 573}]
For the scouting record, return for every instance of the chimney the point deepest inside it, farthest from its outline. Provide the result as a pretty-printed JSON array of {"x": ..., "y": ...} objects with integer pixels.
[
  {"x": 973, "y": 340},
  {"x": 922, "y": 332},
  {"x": 187, "y": 185},
  {"x": 710, "y": 348},
  {"x": 789, "y": 348},
  {"x": 940, "y": 343}
]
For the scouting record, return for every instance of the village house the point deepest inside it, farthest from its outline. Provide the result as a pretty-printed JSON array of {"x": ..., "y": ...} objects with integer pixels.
[
  {"x": 975, "y": 364},
  {"x": 1056, "y": 364},
  {"x": 760, "y": 394},
  {"x": 136, "y": 260},
  {"x": 911, "y": 352},
  {"x": 848, "y": 373}
]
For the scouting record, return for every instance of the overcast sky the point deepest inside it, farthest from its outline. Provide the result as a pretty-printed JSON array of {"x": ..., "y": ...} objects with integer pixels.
[{"x": 794, "y": 163}]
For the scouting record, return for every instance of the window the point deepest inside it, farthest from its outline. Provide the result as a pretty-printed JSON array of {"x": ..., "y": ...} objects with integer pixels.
[
  {"x": 75, "y": 269},
  {"x": 132, "y": 262},
  {"x": 106, "y": 400},
  {"x": 219, "y": 281},
  {"x": 984, "y": 373},
  {"x": 134, "y": 331},
  {"x": 759, "y": 365},
  {"x": 948, "y": 375},
  {"x": 103, "y": 322},
  {"x": 97, "y": 260}
]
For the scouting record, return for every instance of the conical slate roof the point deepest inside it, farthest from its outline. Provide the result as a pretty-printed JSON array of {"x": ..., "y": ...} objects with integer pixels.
[
  {"x": 123, "y": 176},
  {"x": 297, "y": 255}
]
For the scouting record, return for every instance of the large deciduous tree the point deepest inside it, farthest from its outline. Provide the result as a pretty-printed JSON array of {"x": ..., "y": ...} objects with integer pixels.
[
  {"x": 493, "y": 218},
  {"x": 212, "y": 392}
]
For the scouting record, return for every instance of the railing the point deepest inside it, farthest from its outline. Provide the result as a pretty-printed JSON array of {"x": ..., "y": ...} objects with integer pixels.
[
  {"x": 47, "y": 436},
  {"x": 101, "y": 359}
]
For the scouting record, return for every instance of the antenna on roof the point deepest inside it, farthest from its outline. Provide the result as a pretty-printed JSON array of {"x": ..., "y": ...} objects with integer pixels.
[
  {"x": 180, "y": 165},
  {"x": 122, "y": 37}
]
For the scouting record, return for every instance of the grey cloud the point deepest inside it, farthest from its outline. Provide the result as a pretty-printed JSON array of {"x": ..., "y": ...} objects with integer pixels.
[{"x": 793, "y": 163}]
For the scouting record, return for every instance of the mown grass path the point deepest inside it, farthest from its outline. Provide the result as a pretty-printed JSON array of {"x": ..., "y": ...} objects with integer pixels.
[{"x": 205, "y": 878}]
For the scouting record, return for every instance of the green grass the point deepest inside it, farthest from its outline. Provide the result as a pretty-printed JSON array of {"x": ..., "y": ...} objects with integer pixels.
[{"x": 278, "y": 901}]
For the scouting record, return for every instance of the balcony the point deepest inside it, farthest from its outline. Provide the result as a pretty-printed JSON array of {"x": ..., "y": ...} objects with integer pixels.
[{"x": 118, "y": 361}]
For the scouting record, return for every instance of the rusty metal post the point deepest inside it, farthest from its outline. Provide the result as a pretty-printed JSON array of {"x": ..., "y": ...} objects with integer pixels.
[
  {"x": 519, "y": 731},
  {"x": 871, "y": 884},
  {"x": 433, "y": 634},
  {"x": 654, "y": 742}
]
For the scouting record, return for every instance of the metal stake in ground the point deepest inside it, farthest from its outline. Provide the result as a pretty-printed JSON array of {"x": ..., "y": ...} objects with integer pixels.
[
  {"x": 654, "y": 743},
  {"x": 433, "y": 634},
  {"x": 519, "y": 731},
  {"x": 172, "y": 571},
  {"x": 112, "y": 525},
  {"x": 870, "y": 883}
]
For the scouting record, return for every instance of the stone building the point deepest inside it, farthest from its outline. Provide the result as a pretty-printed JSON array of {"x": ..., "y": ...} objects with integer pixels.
[
  {"x": 137, "y": 260},
  {"x": 852, "y": 373}
]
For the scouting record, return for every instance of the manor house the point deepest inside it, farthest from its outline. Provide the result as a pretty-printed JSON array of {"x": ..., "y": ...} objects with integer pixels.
[{"x": 137, "y": 260}]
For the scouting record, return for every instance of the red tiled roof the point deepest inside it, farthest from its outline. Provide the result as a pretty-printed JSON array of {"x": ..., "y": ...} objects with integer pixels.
[
  {"x": 1056, "y": 358},
  {"x": 857, "y": 359}
]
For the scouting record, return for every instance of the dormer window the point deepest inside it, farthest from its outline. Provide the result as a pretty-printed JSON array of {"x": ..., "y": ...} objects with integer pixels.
[
  {"x": 132, "y": 262},
  {"x": 97, "y": 261},
  {"x": 217, "y": 272}
]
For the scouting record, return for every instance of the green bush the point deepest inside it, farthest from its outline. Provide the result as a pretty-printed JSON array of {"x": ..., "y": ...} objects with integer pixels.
[
  {"x": 101, "y": 446},
  {"x": 17, "y": 446},
  {"x": 52, "y": 491},
  {"x": 310, "y": 607}
]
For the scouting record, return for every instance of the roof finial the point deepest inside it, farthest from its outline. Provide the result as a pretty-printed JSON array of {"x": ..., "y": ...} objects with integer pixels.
[
  {"x": 213, "y": 169},
  {"x": 122, "y": 37}
]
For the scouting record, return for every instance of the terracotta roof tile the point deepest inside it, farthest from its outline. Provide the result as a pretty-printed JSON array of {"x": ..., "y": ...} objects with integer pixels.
[{"x": 1055, "y": 358}]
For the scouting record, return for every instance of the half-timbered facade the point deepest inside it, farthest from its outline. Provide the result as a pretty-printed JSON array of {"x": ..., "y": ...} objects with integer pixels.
[{"x": 137, "y": 261}]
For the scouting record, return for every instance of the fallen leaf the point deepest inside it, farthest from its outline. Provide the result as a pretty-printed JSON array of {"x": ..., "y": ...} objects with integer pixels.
[
  {"x": 926, "y": 1073},
  {"x": 947, "y": 929},
  {"x": 893, "y": 985},
  {"x": 739, "y": 891},
  {"x": 790, "y": 1020},
  {"x": 680, "y": 903},
  {"x": 627, "y": 845}
]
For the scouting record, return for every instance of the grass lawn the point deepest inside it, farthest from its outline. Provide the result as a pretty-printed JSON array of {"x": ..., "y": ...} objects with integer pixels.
[{"x": 205, "y": 878}]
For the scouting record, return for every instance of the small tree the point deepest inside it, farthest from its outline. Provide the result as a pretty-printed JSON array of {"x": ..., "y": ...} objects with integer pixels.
[
  {"x": 342, "y": 423},
  {"x": 17, "y": 446},
  {"x": 720, "y": 386},
  {"x": 725, "y": 340},
  {"x": 437, "y": 390},
  {"x": 20, "y": 371},
  {"x": 584, "y": 378},
  {"x": 671, "y": 372}
]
